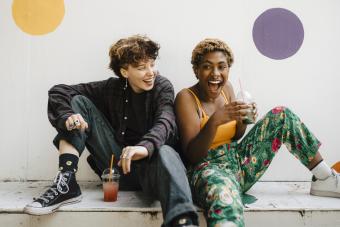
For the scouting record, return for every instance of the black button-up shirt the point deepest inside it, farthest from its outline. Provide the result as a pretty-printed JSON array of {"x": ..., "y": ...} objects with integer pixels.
[
  {"x": 110, "y": 97},
  {"x": 135, "y": 119}
]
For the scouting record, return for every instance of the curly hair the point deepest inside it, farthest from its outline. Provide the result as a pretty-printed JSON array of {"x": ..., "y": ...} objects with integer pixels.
[
  {"x": 208, "y": 46},
  {"x": 131, "y": 50}
]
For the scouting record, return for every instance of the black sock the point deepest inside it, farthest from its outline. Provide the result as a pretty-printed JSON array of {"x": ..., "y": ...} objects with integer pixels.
[{"x": 68, "y": 162}]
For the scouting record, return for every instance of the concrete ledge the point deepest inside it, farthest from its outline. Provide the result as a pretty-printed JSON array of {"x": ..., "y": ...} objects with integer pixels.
[{"x": 279, "y": 204}]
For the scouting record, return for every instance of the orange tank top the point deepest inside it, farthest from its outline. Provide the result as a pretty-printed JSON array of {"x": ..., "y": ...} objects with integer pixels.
[{"x": 224, "y": 132}]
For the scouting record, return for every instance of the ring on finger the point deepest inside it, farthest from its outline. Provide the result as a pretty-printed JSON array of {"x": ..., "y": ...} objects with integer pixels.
[
  {"x": 76, "y": 122},
  {"x": 125, "y": 155},
  {"x": 72, "y": 125}
]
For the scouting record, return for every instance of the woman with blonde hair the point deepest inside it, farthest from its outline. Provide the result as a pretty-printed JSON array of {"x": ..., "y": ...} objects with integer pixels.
[{"x": 211, "y": 123}]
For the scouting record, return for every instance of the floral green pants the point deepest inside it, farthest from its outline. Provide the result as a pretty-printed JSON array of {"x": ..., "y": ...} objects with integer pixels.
[{"x": 217, "y": 183}]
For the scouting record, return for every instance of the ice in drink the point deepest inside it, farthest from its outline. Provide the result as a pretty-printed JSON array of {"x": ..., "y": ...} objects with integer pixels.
[{"x": 247, "y": 98}]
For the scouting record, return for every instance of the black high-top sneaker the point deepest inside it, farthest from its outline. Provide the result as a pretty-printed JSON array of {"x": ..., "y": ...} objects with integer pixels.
[{"x": 65, "y": 190}]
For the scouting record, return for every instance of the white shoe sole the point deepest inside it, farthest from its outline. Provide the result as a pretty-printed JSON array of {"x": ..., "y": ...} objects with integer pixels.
[
  {"x": 48, "y": 210},
  {"x": 325, "y": 193}
]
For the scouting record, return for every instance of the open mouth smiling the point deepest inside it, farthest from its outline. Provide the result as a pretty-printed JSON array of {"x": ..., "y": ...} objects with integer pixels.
[
  {"x": 150, "y": 80},
  {"x": 214, "y": 85}
]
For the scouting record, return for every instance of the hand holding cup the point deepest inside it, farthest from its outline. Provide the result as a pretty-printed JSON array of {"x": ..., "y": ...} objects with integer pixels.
[{"x": 251, "y": 112}]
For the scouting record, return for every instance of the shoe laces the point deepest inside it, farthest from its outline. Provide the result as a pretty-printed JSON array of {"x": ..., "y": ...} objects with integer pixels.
[{"x": 59, "y": 182}]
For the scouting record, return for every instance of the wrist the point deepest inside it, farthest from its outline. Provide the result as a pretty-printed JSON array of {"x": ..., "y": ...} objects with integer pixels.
[
  {"x": 212, "y": 123},
  {"x": 143, "y": 151},
  {"x": 148, "y": 146}
]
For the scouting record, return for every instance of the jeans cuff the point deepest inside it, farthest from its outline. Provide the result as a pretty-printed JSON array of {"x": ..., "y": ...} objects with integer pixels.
[{"x": 72, "y": 138}]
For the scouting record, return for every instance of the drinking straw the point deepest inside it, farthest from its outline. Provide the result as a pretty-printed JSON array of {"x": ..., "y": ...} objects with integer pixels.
[
  {"x": 110, "y": 176},
  {"x": 239, "y": 81}
]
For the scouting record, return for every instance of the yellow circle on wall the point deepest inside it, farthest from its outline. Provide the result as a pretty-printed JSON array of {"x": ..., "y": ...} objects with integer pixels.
[{"x": 38, "y": 17}]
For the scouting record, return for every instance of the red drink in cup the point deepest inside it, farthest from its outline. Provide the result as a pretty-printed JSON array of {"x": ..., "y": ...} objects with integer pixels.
[
  {"x": 110, "y": 185},
  {"x": 110, "y": 191}
]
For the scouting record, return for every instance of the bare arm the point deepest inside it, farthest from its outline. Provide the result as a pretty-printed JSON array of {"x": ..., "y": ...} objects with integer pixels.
[{"x": 195, "y": 142}]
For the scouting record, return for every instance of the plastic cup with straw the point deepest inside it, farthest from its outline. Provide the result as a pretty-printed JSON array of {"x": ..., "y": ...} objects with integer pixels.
[
  {"x": 110, "y": 179},
  {"x": 111, "y": 165},
  {"x": 245, "y": 96}
]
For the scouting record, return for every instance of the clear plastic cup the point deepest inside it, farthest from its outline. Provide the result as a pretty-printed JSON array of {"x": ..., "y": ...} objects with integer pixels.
[
  {"x": 246, "y": 97},
  {"x": 110, "y": 184}
]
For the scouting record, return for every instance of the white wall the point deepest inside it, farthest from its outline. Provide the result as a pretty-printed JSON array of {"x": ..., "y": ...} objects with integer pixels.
[{"x": 307, "y": 82}]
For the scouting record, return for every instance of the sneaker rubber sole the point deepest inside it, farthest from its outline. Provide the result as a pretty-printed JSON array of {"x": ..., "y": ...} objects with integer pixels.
[{"x": 50, "y": 209}]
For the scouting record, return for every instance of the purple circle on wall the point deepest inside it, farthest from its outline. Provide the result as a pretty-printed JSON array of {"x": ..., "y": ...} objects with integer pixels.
[{"x": 278, "y": 33}]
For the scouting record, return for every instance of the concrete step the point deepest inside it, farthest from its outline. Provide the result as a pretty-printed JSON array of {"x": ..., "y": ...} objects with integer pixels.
[{"x": 279, "y": 204}]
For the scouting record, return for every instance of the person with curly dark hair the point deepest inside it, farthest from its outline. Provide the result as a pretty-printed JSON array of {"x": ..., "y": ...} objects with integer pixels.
[
  {"x": 211, "y": 122},
  {"x": 131, "y": 117}
]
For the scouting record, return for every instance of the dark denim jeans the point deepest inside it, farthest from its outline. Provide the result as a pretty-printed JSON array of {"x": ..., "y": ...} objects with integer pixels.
[{"x": 163, "y": 176}]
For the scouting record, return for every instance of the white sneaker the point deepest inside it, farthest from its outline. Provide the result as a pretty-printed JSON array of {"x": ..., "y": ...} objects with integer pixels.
[{"x": 329, "y": 187}]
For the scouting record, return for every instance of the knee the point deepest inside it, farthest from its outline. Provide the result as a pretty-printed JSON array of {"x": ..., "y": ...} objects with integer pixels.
[
  {"x": 279, "y": 113},
  {"x": 79, "y": 100},
  {"x": 81, "y": 104},
  {"x": 279, "y": 110},
  {"x": 167, "y": 152},
  {"x": 167, "y": 155},
  {"x": 282, "y": 113}
]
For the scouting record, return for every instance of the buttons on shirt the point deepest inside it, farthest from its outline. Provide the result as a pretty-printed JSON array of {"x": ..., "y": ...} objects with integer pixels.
[{"x": 125, "y": 117}]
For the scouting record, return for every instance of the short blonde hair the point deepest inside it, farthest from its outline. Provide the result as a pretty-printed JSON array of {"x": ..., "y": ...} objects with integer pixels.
[{"x": 207, "y": 46}]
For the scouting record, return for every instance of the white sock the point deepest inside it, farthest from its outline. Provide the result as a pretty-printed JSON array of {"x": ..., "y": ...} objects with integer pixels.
[{"x": 322, "y": 171}]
